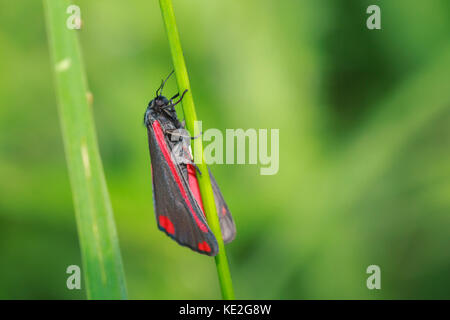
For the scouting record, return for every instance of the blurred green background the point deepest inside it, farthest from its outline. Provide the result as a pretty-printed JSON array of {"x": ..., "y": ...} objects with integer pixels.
[{"x": 364, "y": 119}]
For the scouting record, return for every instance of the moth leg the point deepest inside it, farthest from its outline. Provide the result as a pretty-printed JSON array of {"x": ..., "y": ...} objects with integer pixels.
[
  {"x": 197, "y": 136},
  {"x": 179, "y": 100},
  {"x": 169, "y": 131},
  {"x": 196, "y": 168},
  {"x": 174, "y": 97},
  {"x": 176, "y": 132},
  {"x": 183, "y": 124},
  {"x": 182, "y": 96}
]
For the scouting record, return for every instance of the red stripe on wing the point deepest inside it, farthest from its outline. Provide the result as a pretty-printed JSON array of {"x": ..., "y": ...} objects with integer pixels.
[
  {"x": 163, "y": 146},
  {"x": 166, "y": 224},
  {"x": 203, "y": 246},
  {"x": 193, "y": 186}
]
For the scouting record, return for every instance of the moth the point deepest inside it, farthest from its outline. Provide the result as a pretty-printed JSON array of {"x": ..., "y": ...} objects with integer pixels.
[{"x": 176, "y": 195}]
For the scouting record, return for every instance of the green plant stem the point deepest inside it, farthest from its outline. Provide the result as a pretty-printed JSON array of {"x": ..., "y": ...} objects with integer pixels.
[
  {"x": 206, "y": 191},
  {"x": 102, "y": 263}
]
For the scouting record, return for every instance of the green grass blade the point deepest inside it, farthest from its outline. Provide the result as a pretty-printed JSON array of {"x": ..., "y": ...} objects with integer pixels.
[
  {"x": 223, "y": 270},
  {"x": 102, "y": 263}
]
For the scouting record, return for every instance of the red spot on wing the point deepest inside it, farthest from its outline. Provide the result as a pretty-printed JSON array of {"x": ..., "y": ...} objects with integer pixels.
[
  {"x": 166, "y": 224},
  {"x": 162, "y": 145},
  {"x": 193, "y": 185},
  {"x": 203, "y": 246},
  {"x": 224, "y": 211}
]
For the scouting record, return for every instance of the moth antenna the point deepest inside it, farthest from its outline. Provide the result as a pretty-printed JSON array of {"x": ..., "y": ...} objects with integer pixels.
[
  {"x": 163, "y": 82},
  {"x": 160, "y": 87},
  {"x": 181, "y": 98}
]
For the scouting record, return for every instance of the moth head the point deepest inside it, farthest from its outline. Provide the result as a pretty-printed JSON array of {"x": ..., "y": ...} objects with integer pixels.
[{"x": 158, "y": 103}]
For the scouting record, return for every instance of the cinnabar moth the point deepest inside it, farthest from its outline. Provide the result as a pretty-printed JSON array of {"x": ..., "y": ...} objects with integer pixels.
[{"x": 176, "y": 195}]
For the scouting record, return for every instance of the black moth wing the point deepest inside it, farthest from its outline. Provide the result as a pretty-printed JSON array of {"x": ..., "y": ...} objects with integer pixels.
[
  {"x": 227, "y": 225},
  {"x": 177, "y": 213}
]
